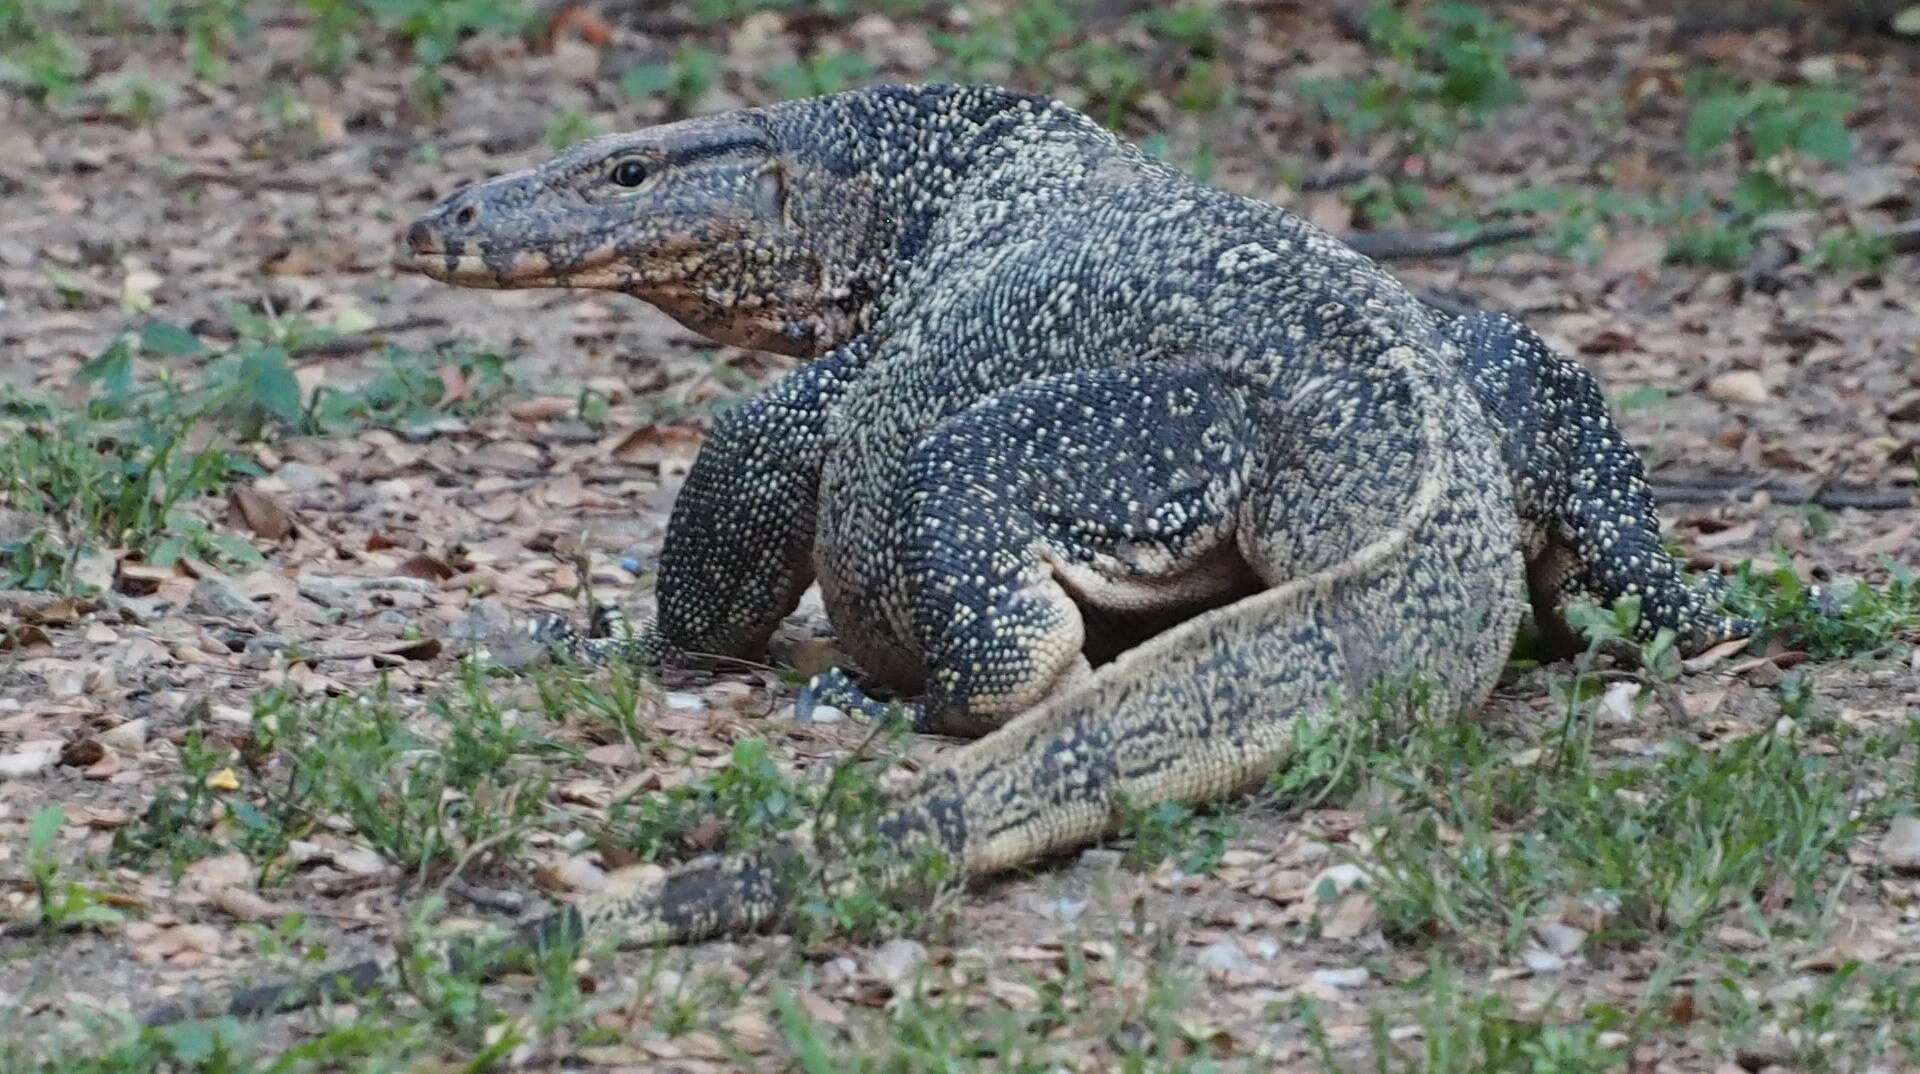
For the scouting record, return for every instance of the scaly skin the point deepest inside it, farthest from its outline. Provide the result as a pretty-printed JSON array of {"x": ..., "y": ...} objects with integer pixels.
[{"x": 1067, "y": 399}]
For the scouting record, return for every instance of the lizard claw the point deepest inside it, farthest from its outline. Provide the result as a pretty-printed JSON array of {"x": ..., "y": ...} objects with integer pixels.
[
  {"x": 833, "y": 694},
  {"x": 609, "y": 637}
]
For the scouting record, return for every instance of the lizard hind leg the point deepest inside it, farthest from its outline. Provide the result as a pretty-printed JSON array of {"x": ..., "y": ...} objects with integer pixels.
[
  {"x": 1581, "y": 487},
  {"x": 1033, "y": 519}
]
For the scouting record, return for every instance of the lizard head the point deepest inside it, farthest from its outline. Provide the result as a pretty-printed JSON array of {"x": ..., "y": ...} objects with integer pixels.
[{"x": 692, "y": 217}]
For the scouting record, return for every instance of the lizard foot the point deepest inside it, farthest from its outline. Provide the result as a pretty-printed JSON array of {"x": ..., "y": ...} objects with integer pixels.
[
  {"x": 609, "y": 638},
  {"x": 835, "y": 689}
]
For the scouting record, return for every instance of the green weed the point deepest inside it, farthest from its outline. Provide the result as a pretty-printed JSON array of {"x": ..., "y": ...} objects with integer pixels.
[
  {"x": 1468, "y": 1031},
  {"x": 1439, "y": 69},
  {"x": 459, "y": 782},
  {"x": 569, "y": 127},
  {"x": 1844, "y": 618},
  {"x": 1193, "y": 838},
  {"x": 120, "y": 473},
  {"x": 1765, "y": 125},
  {"x": 826, "y": 72},
  {"x": 682, "y": 80},
  {"x": 64, "y": 904}
]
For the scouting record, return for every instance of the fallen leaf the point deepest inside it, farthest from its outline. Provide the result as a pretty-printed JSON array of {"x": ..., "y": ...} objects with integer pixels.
[{"x": 266, "y": 516}]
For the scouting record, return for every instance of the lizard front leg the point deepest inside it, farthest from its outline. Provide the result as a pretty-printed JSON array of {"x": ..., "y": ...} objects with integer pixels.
[{"x": 739, "y": 544}]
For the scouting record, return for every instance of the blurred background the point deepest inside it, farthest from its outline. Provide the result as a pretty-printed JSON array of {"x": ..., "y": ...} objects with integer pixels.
[{"x": 246, "y": 469}]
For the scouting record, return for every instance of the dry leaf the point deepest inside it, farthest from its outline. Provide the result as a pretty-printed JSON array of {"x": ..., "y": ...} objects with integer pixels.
[{"x": 260, "y": 512}]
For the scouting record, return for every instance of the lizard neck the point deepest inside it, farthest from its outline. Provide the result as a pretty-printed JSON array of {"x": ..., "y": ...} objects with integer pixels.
[{"x": 873, "y": 173}]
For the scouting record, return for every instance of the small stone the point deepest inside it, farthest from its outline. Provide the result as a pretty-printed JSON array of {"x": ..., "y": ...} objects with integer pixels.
[
  {"x": 1223, "y": 956},
  {"x": 301, "y": 477},
  {"x": 359, "y": 862},
  {"x": 1560, "y": 938},
  {"x": 1541, "y": 960},
  {"x": 682, "y": 702},
  {"x": 202, "y": 938},
  {"x": 1068, "y": 910},
  {"x": 1618, "y": 702},
  {"x": 1101, "y": 859},
  {"x": 32, "y": 759},
  {"x": 1351, "y": 977},
  {"x": 820, "y": 714},
  {"x": 1900, "y": 848},
  {"x": 576, "y": 873},
  {"x": 221, "y": 598},
  {"x": 1339, "y": 879},
  {"x": 126, "y": 738},
  {"x": 1739, "y": 386},
  {"x": 897, "y": 961},
  {"x": 337, "y": 590}
]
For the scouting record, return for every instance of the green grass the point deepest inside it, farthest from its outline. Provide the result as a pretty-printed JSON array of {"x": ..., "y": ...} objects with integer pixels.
[
  {"x": 39, "y": 53},
  {"x": 1477, "y": 841},
  {"x": 1132, "y": 1011},
  {"x": 1462, "y": 1029},
  {"x": 1194, "y": 839},
  {"x": 460, "y": 779},
  {"x": 1436, "y": 71},
  {"x": 1839, "y": 619},
  {"x": 114, "y": 473},
  {"x": 163, "y": 428}
]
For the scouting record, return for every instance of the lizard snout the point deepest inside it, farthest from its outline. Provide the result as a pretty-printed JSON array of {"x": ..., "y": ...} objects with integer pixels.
[
  {"x": 420, "y": 238},
  {"x": 445, "y": 225}
]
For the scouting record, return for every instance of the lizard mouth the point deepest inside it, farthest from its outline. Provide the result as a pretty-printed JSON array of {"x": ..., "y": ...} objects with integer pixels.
[{"x": 470, "y": 270}]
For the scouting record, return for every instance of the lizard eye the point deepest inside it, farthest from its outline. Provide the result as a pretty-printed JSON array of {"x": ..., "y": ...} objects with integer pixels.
[{"x": 628, "y": 173}]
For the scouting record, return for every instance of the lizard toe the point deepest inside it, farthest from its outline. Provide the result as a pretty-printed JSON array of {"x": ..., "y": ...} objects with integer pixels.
[{"x": 834, "y": 690}]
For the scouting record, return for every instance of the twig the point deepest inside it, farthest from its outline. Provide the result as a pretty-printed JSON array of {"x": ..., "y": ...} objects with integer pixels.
[
  {"x": 248, "y": 182},
  {"x": 507, "y": 902},
  {"x": 1413, "y": 246},
  {"x": 1711, "y": 488},
  {"x": 1904, "y": 237},
  {"x": 1856, "y": 17},
  {"x": 1333, "y": 178},
  {"x": 346, "y": 346},
  {"x": 481, "y": 846}
]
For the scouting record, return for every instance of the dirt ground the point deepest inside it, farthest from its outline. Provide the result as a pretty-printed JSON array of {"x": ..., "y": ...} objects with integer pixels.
[{"x": 273, "y": 187}]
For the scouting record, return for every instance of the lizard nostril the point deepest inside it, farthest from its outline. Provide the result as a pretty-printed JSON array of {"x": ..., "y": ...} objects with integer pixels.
[
  {"x": 420, "y": 237},
  {"x": 466, "y": 215}
]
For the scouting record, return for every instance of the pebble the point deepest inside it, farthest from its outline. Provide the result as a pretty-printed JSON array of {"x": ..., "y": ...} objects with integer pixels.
[
  {"x": 1350, "y": 977},
  {"x": 1541, "y": 960},
  {"x": 1339, "y": 879},
  {"x": 334, "y": 590},
  {"x": 1223, "y": 956},
  {"x": 820, "y": 714},
  {"x": 359, "y": 862},
  {"x": 301, "y": 477},
  {"x": 1560, "y": 938},
  {"x": 1900, "y": 849},
  {"x": 897, "y": 960},
  {"x": 219, "y": 597},
  {"x": 126, "y": 738},
  {"x": 31, "y": 759},
  {"x": 1739, "y": 386}
]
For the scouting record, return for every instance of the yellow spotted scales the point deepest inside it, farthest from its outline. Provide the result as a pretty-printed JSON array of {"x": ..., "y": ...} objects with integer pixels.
[{"x": 1122, "y": 475}]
